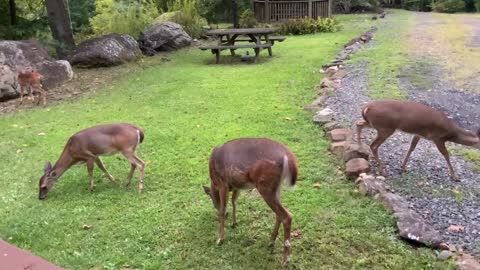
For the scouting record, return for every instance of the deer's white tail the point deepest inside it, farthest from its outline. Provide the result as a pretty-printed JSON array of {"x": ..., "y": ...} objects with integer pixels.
[{"x": 286, "y": 176}]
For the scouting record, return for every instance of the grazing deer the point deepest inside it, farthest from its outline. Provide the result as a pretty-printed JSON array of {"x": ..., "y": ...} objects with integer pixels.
[
  {"x": 33, "y": 81},
  {"x": 417, "y": 119},
  {"x": 88, "y": 145},
  {"x": 247, "y": 164}
]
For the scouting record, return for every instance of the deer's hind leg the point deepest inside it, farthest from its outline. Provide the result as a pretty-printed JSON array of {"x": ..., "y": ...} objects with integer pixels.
[{"x": 136, "y": 163}]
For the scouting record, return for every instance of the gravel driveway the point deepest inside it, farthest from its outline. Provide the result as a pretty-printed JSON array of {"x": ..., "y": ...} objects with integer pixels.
[{"x": 426, "y": 185}]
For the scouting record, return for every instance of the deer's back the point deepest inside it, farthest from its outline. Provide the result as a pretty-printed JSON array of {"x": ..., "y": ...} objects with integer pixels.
[
  {"x": 235, "y": 158},
  {"x": 104, "y": 139},
  {"x": 408, "y": 116}
]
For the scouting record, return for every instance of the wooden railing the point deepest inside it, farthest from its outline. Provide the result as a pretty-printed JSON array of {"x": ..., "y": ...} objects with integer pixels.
[{"x": 279, "y": 10}]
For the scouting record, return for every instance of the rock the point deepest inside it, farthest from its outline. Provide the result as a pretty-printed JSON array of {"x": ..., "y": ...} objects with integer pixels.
[
  {"x": 351, "y": 42},
  {"x": 444, "y": 255},
  {"x": 337, "y": 147},
  {"x": 339, "y": 134},
  {"x": 328, "y": 83},
  {"x": 323, "y": 116},
  {"x": 343, "y": 55},
  {"x": 382, "y": 15},
  {"x": 366, "y": 37},
  {"x": 355, "y": 150},
  {"x": 412, "y": 226},
  {"x": 319, "y": 100},
  {"x": 8, "y": 85},
  {"x": 374, "y": 18},
  {"x": 380, "y": 178},
  {"x": 339, "y": 75},
  {"x": 55, "y": 72},
  {"x": 467, "y": 262},
  {"x": 108, "y": 50},
  {"x": 393, "y": 202},
  {"x": 353, "y": 47},
  {"x": 331, "y": 125},
  {"x": 355, "y": 167},
  {"x": 369, "y": 185},
  {"x": 312, "y": 108},
  {"x": 165, "y": 36},
  {"x": 26, "y": 55}
]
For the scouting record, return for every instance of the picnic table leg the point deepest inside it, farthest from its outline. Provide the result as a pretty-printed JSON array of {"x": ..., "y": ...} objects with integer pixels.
[
  {"x": 269, "y": 48},
  {"x": 231, "y": 41},
  {"x": 257, "y": 52},
  {"x": 217, "y": 56}
]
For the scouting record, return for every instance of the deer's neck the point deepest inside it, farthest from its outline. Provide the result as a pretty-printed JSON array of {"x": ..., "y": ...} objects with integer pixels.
[
  {"x": 63, "y": 163},
  {"x": 465, "y": 137}
]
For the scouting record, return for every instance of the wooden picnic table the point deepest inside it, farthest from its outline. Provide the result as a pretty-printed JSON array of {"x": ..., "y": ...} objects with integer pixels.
[{"x": 227, "y": 39}]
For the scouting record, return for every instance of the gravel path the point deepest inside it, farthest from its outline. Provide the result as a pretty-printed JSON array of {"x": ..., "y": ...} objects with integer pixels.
[{"x": 426, "y": 185}]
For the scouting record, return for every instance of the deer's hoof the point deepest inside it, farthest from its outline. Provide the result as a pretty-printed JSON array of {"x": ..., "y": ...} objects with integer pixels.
[
  {"x": 219, "y": 242},
  {"x": 271, "y": 244},
  {"x": 234, "y": 225}
]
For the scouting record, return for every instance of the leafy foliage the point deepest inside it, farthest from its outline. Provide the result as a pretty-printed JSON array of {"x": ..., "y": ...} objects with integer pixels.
[
  {"x": 448, "y": 6},
  {"x": 185, "y": 13},
  {"x": 349, "y": 6},
  {"x": 80, "y": 13},
  {"x": 247, "y": 19},
  {"x": 123, "y": 17},
  {"x": 309, "y": 26},
  {"x": 417, "y": 5}
]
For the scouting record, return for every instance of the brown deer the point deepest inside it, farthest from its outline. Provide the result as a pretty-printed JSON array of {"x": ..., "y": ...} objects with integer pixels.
[
  {"x": 417, "y": 119},
  {"x": 247, "y": 164},
  {"x": 33, "y": 81},
  {"x": 88, "y": 145}
]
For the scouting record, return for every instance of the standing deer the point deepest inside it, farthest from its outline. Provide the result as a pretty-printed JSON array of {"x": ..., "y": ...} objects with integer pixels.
[
  {"x": 247, "y": 164},
  {"x": 88, "y": 145},
  {"x": 33, "y": 81},
  {"x": 417, "y": 119}
]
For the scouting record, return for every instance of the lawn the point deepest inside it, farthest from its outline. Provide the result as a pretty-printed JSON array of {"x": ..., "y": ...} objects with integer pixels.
[{"x": 187, "y": 106}]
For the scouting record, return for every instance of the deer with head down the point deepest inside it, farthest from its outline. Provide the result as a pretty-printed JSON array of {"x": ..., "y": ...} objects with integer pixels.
[
  {"x": 32, "y": 80},
  {"x": 250, "y": 163},
  {"x": 88, "y": 145},
  {"x": 422, "y": 121}
]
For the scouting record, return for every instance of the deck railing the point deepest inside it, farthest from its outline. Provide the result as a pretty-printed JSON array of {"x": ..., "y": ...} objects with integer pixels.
[{"x": 279, "y": 10}]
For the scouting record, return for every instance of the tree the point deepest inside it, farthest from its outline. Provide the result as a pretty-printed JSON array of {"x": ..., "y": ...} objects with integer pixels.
[
  {"x": 235, "y": 14},
  {"x": 61, "y": 26},
  {"x": 13, "y": 12}
]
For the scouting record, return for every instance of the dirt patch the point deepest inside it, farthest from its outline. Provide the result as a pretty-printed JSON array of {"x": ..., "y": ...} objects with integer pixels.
[{"x": 86, "y": 81}]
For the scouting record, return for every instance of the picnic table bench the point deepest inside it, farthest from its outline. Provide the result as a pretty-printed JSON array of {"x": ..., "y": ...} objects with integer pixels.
[{"x": 226, "y": 39}]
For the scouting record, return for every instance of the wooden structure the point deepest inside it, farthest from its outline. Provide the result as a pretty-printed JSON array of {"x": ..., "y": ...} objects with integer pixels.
[
  {"x": 258, "y": 37},
  {"x": 271, "y": 11}
]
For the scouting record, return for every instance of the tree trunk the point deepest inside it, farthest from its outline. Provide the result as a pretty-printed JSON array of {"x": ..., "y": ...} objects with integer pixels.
[
  {"x": 60, "y": 24},
  {"x": 13, "y": 12},
  {"x": 235, "y": 14}
]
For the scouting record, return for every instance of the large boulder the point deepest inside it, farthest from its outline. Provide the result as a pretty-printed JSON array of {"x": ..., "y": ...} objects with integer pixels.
[
  {"x": 108, "y": 50},
  {"x": 26, "y": 55},
  {"x": 165, "y": 36}
]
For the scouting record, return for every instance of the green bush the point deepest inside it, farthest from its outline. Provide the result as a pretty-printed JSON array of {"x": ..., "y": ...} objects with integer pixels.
[
  {"x": 309, "y": 26},
  {"x": 247, "y": 19},
  {"x": 122, "y": 17},
  {"x": 448, "y": 6},
  {"x": 477, "y": 5},
  {"x": 185, "y": 13},
  {"x": 417, "y": 5}
]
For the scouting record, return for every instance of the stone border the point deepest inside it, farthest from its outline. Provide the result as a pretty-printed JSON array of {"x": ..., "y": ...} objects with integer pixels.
[{"x": 411, "y": 226}]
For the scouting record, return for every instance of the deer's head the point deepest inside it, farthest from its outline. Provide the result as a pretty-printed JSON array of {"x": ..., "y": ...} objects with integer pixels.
[
  {"x": 214, "y": 195},
  {"x": 47, "y": 180}
]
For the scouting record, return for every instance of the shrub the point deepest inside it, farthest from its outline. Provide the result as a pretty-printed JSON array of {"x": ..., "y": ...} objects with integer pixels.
[
  {"x": 309, "y": 26},
  {"x": 417, "y": 5},
  {"x": 477, "y": 5},
  {"x": 350, "y": 6},
  {"x": 247, "y": 19},
  {"x": 185, "y": 13},
  {"x": 122, "y": 17},
  {"x": 448, "y": 6}
]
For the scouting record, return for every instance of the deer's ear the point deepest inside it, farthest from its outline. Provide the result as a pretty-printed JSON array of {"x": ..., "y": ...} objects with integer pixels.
[
  {"x": 47, "y": 167},
  {"x": 207, "y": 190}
]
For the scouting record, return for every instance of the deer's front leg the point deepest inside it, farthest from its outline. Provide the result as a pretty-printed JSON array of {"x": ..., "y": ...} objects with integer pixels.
[
  {"x": 223, "y": 194},
  {"x": 235, "y": 194},
  {"x": 90, "y": 163}
]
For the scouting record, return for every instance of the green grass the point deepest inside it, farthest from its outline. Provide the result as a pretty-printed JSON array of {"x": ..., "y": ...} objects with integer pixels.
[
  {"x": 187, "y": 106},
  {"x": 388, "y": 56}
]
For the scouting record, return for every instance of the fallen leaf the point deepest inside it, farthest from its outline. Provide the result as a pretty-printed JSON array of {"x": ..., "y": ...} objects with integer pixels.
[
  {"x": 316, "y": 185},
  {"x": 288, "y": 118},
  {"x": 87, "y": 227},
  {"x": 296, "y": 233},
  {"x": 41, "y": 134},
  {"x": 19, "y": 151},
  {"x": 456, "y": 228}
]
